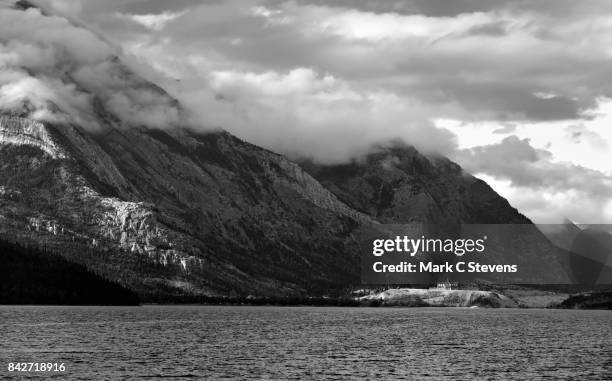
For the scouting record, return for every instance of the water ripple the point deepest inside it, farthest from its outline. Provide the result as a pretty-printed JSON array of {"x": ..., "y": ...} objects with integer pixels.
[{"x": 187, "y": 342}]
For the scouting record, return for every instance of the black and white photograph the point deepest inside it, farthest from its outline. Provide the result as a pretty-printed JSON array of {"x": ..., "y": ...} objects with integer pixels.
[{"x": 306, "y": 189}]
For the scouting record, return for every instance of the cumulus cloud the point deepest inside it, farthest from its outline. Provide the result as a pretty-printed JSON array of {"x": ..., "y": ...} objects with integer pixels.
[
  {"x": 553, "y": 206},
  {"x": 516, "y": 160},
  {"x": 549, "y": 189}
]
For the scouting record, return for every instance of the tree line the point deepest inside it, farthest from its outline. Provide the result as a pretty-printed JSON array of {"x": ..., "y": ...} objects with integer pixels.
[{"x": 33, "y": 275}]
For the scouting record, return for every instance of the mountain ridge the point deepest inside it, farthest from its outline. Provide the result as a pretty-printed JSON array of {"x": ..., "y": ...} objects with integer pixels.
[
  {"x": 192, "y": 204},
  {"x": 444, "y": 192},
  {"x": 140, "y": 226}
]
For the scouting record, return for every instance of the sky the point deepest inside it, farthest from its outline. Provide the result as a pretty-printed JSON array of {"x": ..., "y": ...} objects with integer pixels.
[{"x": 519, "y": 93}]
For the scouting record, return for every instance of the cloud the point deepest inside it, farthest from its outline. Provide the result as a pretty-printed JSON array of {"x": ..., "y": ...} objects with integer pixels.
[
  {"x": 472, "y": 59},
  {"x": 579, "y": 133},
  {"x": 43, "y": 98},
  {"x": 551, "y": 205},
  {"x": 154, "y": 21},
  {"x": 516, "y": 160},
  {"x": 445, "y": 8},
  {"x": 506, "y": 128},
  {"x": 51, "y": 69},
  {"x": 304, "y": 114},
  {"x": 66, "y": 7},
  {"x": 516, "y": 166}
]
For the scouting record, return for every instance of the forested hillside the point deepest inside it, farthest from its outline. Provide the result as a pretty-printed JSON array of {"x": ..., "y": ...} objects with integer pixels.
[{"x": 32, "y": 276}]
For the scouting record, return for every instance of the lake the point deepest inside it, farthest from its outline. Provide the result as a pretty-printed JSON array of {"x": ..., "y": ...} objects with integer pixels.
[{"x": 229, "y": 342}]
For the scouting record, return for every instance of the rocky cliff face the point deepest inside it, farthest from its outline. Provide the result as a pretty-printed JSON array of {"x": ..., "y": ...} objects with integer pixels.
[{"x": 20, "y": 131}]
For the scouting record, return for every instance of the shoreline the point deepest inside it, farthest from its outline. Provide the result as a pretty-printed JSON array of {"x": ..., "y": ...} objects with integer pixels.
[
  {"x": 302, "y": 305},
  {"x": 392, "y": 298}
]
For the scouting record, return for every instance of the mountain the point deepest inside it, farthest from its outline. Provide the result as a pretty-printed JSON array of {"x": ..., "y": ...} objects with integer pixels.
[
  {"x": 562, "y": 235},
  {"x": 201, "y": 213},
  {"x": 397, "y": 184},
  {"x": 99, "y": 165},
  {"x": 590, "y": 247}
]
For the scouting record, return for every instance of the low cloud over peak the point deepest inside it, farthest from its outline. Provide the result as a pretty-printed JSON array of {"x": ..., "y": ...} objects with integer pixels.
[{"x": 55, "y": 70}]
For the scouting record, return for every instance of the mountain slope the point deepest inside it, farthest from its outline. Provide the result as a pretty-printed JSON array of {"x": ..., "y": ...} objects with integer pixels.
[
  {"x": 30, "y": 276},
  {"x": 220, "y": 214},
  {"x": 590, "y": 247}
]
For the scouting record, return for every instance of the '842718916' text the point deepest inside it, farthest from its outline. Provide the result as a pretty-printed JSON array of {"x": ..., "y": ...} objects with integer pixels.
[{"x": 36, "y": 367}]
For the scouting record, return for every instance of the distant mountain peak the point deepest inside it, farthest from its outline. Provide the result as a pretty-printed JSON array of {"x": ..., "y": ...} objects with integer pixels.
[{"x": 412, "y": 187}]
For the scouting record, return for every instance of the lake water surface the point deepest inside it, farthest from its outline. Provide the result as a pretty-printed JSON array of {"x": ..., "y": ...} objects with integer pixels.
[{"x": 223, "y": 342}]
